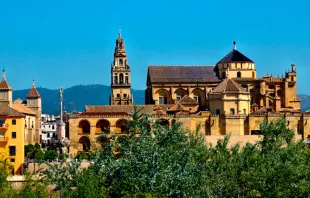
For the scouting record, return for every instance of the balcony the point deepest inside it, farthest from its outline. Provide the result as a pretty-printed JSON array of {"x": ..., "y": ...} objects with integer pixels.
[
  {"x": 4, "y": 139},
  {"x": 4, "y": 127}
]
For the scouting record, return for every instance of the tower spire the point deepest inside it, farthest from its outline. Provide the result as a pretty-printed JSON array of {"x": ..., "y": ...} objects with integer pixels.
[
  {"x": 119, "y": 33},
  {"x": 3, "y": 74},
  {"x": 33, "y": 84}
]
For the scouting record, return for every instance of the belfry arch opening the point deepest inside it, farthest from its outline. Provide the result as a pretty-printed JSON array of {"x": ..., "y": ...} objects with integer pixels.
[
  {"x": 103, "y": 126},
  {"x": 121, "y": 126},
  {"x": 84, "y": 127}
]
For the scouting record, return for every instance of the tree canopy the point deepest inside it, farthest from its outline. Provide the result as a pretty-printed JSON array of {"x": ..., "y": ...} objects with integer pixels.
[{"x": 152, "y": 160}]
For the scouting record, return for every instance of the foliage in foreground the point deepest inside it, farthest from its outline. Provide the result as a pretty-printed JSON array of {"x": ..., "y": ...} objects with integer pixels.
[{"x": 172, "y": 162}]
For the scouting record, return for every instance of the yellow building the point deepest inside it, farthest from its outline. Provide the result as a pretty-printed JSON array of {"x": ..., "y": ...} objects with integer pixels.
[
  {"x": 12, "y": 132},
  {"x": 225, "y": 98},
  {"x": 19, "y": 123}
]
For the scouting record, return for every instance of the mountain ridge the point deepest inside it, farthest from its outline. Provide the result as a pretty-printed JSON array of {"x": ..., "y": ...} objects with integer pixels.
[{"x": 74, "y": 97}]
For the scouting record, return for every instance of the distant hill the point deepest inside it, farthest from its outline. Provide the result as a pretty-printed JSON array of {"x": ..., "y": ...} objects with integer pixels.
[
  {"x": 305, "y": 101},
  {"x": 76, "y": 97}
]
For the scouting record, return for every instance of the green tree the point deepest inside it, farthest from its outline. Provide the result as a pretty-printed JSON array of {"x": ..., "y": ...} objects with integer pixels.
[
  {"x": 50, "y": 155},
  {"x": 152, "y": 160}
]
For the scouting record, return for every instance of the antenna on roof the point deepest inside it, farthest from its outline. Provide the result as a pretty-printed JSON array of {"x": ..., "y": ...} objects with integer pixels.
[{"x": 235, "y": 44}]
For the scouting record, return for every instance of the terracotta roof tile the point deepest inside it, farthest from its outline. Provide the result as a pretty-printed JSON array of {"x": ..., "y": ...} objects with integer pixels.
[
  {"x": 177, "y": 107},
  {"x": 4, "y": 84},
  {"x": 186, "y": 100},
  {"x": 5, "y": 110},
  {"x": 124, "y": 108},
  {"x": 33, "y": 93},
  {"x": 22, "y": 109},
  {"x": 229, "y": 86},
  {"x": 182, "y": 74}
]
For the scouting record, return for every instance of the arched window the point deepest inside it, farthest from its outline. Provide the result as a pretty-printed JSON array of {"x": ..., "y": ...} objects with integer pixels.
[
  {"x": 115, "y": 80},
  {"x": 121, "y": 78},
  {"x": 180, "y": 93},
  {"x": 238, "y": 74},
  {"x": 120, "y": 62},
  {"x": 163, "y": 96}
]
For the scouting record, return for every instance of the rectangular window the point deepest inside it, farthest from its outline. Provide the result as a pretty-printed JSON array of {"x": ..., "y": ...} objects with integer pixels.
[
  {"x": 14, "y": 122},
  {"x": 12, "y": 160},
  {"x": 165, "y": 100},
  {"x": 178, "y": 98},
  {"x": 125, "y": 95},
  {"x": 13, "y": 135},
  {"x": 12, "y": 150},
  {"x": 244, "y": 111},
  {"x": 118, "y": 95},
  {"x": 48, "y": 135},
  {"x": 256, "y": 132},
  {"x": 218, "y": 112},
  {"x": 232, "y": 111},
  {"x": 196, "y": 98},
  {"x": 160, "y": 100}
]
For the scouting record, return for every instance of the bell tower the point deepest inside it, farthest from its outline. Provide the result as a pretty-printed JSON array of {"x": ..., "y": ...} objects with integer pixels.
[{"x": 120, "y": 75}]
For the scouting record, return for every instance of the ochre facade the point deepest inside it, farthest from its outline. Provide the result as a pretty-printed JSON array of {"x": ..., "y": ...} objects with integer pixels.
[
  {"x": 19, "y": 124},
  {"x": 225, "y": 98}
]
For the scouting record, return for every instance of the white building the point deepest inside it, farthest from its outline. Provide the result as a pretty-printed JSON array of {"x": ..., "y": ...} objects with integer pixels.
[{"x": 48, "y": 127}]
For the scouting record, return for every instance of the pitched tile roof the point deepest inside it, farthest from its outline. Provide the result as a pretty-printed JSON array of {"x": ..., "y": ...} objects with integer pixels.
[
  {"x": 33, "y": 93},
  {"x": 4, "y": 84},
  {"x": 229, "y": 86},
  {"x": 235, "y": 56},
  {"x": 182, "y": 74},
  {"x": 22, "y": 109},
  {"x": 5, "y": 110},
  {"x": 177, "y": 107},
  {"x": 124, "y": 108},
  {"x": 186, "y": 100}
]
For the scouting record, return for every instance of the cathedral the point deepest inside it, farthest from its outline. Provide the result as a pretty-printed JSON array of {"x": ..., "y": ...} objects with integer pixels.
[{"x": 225, "y": 98}]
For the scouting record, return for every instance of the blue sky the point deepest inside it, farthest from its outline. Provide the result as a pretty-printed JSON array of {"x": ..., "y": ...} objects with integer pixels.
[{"x": 66, "y": 43}]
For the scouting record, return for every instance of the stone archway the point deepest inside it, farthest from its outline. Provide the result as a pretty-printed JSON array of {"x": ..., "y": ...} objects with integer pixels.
[
  {"x": 164, "y": 122},
  {"x": 85, "y": 143},
  {"x": 103, "y": 126},
  {"x": 121, "y": 126}
]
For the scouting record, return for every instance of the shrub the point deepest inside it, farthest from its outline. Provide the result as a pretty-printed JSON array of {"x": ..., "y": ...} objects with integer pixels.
[
  {"x": 63, "y": 156},
  {"x": 50, "y": 155},
  {"x": 81, "y": 156}
]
